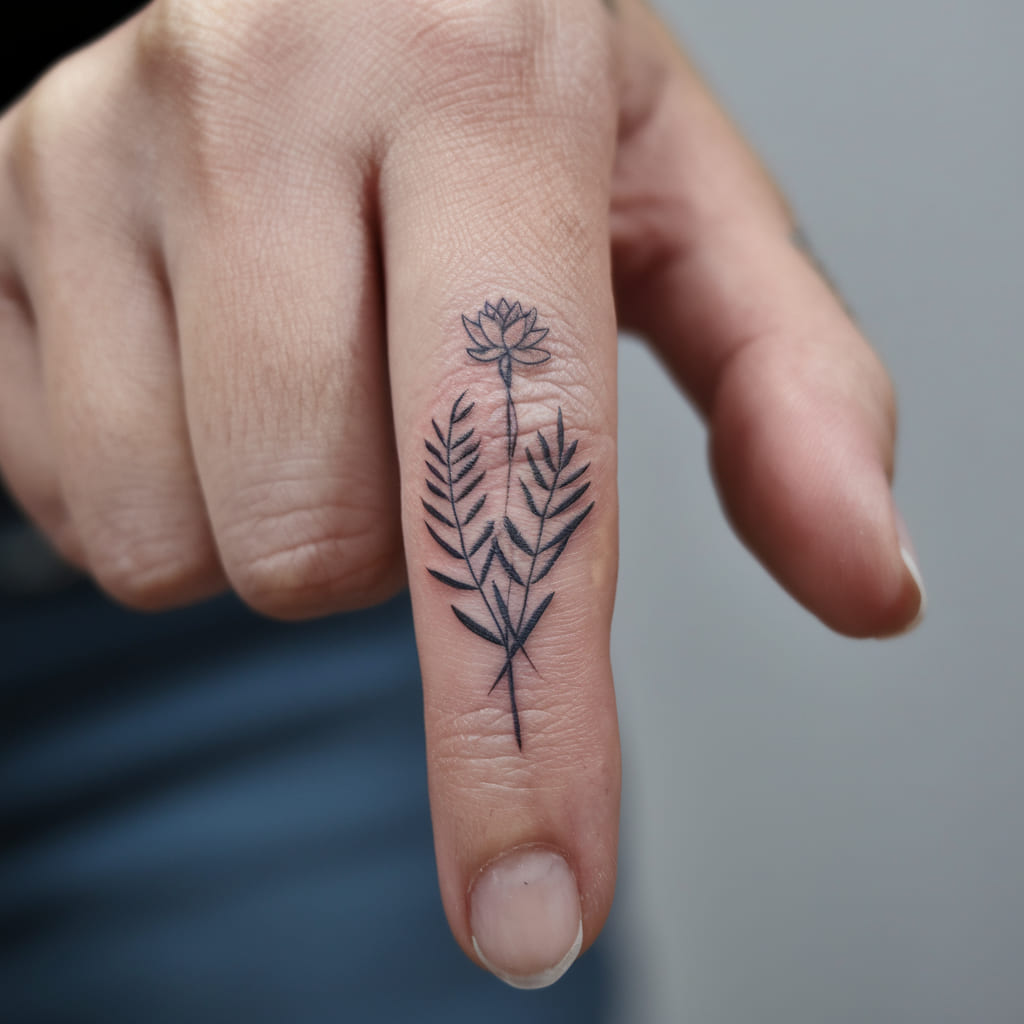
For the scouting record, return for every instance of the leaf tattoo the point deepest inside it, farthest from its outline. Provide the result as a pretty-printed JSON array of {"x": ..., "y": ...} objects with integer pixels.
[{"x": 499, "y": 562}]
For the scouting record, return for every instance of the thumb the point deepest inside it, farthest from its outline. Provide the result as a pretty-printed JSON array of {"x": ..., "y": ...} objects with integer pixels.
[{"x": 801, "y": 412}]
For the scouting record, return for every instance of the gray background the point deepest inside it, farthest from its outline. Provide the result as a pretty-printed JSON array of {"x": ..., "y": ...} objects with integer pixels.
[{"x": 817, "y": 829}]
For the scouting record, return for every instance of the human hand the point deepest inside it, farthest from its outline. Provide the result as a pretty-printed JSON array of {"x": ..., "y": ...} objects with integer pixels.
[{"x": 209, "y": 217}]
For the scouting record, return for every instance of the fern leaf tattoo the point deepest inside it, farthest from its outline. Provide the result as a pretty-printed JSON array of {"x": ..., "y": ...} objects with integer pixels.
[{"x": 494, "y": 565}]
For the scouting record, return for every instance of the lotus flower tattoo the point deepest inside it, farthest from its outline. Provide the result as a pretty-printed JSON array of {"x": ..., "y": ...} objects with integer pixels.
[
  {"x": 506, "y": 334},
  {"x": 493, "y": 561}
]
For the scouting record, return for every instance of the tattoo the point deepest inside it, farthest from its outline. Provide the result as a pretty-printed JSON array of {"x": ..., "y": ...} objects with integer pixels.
[{"x": 500, "y": 561}]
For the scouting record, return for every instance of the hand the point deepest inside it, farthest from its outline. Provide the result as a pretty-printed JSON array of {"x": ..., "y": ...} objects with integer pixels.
[{"x": 237, "y": 246}]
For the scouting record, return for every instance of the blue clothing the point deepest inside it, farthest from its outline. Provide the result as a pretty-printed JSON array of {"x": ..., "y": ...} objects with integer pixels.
[{"x": 211, "y": 817}]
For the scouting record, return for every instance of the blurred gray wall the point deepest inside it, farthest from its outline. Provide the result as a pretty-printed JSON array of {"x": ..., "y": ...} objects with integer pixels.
[{"x": 816, "y": 830}]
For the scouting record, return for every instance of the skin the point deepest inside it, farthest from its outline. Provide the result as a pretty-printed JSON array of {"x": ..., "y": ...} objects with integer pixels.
[{"x": 236, "y": 242}]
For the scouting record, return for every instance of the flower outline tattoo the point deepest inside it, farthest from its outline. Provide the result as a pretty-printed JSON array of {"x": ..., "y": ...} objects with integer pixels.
[
  {"x": 506, "y": 334},
  {"x": 500, "y": 550}
]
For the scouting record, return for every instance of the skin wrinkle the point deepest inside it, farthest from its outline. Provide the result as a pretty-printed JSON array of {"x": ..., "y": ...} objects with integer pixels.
[
  {"x": 483, "y": 736},
  {"x": 551, "y": 239},
  {"x": 560, "y": 658},
  {"x": 557, "y": 653},
  {"x": 281, "y": 525},
  {"x": 145, "y": 571},
  {"x": 473, "y": 757},
  {"x": 517, "y": 59},
  {"x": 286, "y": 583},
  {"x": 537, "y": 404}
]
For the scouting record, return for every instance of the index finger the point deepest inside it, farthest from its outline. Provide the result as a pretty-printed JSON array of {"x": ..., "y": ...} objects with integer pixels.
[{"x": 502, "y": 352}]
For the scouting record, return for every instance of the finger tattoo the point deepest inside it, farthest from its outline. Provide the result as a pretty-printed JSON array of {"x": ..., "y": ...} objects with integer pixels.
[{"x": 496, "y": 562}]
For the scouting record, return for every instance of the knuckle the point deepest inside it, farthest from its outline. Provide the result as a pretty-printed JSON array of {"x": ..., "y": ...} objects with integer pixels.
[
  {"x": 303, "y": 562},
  {"x": 231, "y": 80},
  {"x": 192, "y": 61},
  {"x": 38, "y": 154},
  {"x": 585, "y": 402},
  {"x": 475, "y": 752},
  {"x": 198, "y": 52},
  {"x": 148, "y": 570},
  {"x": 474, "y": 747},
  {"x": 63, "y": 140},
  {"x": 176, "y": 45},
  {"x": 184, "y": 63},
  {"x": 497, "y": 49},
  {"x": 478, "y": 30}
]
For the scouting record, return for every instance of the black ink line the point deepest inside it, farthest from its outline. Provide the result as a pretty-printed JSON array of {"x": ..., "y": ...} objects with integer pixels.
[
  {"x": 558, "y": 544},
  {"x": 503, "y": 636},
  {"x": 506, "y": 334}
]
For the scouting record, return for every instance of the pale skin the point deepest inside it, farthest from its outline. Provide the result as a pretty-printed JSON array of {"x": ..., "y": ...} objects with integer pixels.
[{"x": 236, "y": 244}]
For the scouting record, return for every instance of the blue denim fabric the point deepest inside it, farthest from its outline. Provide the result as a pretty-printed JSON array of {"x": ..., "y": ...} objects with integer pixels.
[{"x": 210, "y": 817}]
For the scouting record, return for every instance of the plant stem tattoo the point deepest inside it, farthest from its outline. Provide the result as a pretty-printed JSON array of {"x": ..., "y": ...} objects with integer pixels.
[
  {"x": 501, "y": 561},
  {"x": 506, "y": 334}
]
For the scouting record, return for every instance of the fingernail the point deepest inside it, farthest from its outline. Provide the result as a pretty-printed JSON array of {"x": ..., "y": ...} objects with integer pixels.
[
  {"x": 910, "y": 561},
  {"x": 524, "y": 911}
]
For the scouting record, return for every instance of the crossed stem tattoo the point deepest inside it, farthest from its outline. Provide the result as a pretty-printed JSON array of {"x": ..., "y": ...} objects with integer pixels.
[{"x": 500, "y": 562}]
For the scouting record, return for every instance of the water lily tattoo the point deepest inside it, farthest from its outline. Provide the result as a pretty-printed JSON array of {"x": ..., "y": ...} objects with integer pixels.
[
  {"x": 497, "y": 563},
  {"x": 506, "y": 334}
]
